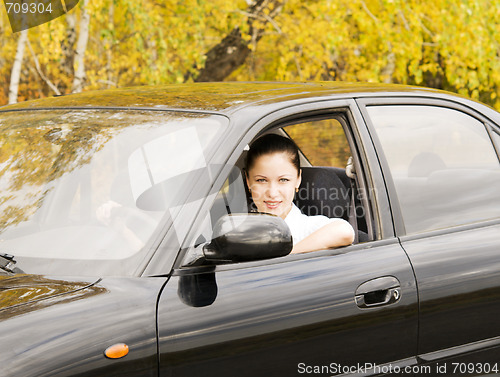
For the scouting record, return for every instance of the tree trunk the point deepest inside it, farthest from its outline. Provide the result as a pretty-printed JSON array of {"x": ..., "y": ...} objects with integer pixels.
[
  {"x": 224, "y": 58},
  {"x": 68, "y": 45},
  {"x": 16, "y": 67},
  {"x": 109, "y": 50},
  {"x": 233, "y": 50},
  {"x": 81, "y": 47}
]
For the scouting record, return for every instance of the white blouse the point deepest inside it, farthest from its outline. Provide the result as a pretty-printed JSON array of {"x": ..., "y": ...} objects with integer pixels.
[{"x": 302, "y": 225}]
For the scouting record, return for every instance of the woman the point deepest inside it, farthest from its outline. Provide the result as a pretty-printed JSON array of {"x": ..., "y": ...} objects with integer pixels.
[{"x": 273, "y": 177}]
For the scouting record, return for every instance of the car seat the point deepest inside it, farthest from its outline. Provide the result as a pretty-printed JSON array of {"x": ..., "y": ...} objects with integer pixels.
[{"x": 326, "y": 191}]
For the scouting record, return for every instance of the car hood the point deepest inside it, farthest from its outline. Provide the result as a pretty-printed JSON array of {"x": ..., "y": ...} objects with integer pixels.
[
  {"x": 62, "y": 326},
  {"x": 20, "y": 290}
]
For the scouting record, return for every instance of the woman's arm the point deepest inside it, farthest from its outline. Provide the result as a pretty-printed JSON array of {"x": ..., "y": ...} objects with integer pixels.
[{"x": 335, "y": 234}]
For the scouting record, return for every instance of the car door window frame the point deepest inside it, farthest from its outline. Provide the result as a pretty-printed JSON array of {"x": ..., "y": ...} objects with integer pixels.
[
  {"x": 344, "y": 117},
  {"x": 293, "y": 115},
  {"x": 494, "y": 133},
  {"x": 389, "y": 181}
]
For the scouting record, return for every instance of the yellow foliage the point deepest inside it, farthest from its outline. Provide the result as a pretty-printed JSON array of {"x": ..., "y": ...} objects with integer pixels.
[{"x": 448, "y": 44}]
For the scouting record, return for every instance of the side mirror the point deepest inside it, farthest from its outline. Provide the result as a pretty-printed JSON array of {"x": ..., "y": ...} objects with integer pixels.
[{"x": 248, "y": 237}]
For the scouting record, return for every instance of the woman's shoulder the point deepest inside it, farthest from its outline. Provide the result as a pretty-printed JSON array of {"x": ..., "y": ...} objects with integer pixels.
[
  {"x": 302, "y": 225},
  {"x": 297, "y": 220},
  {"x": 296, "y": 215}
]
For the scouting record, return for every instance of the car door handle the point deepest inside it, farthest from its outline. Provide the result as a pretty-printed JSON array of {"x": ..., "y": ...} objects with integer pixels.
[{"x": 381, "y": 291}]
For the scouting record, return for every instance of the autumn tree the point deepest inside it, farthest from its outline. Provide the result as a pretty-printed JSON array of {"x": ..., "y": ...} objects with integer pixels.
[
  {"x": 447, "y": 44},
  {"x": 452, "y": 45}
]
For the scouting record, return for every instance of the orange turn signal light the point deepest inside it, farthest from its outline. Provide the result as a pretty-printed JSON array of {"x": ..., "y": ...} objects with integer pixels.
[{"x": 116, "y": 351}]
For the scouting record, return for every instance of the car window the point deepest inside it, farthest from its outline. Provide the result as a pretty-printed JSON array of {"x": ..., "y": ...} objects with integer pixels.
[
  {"x": 323, "y": 142},
  {"x": 445, "y": 170},
  {"x": 325, "y": 187}
]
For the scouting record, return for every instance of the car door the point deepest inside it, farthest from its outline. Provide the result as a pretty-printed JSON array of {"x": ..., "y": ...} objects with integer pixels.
[
  {"x": 444, "y": 178},
  {"x": 345, "y": 311}
]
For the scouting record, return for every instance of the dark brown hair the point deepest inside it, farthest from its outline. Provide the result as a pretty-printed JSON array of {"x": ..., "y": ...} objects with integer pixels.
[{"x": 272, "y": 143}]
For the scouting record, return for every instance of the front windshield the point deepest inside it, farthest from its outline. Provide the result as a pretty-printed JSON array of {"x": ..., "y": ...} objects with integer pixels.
[{"x": 83, "y": 191}]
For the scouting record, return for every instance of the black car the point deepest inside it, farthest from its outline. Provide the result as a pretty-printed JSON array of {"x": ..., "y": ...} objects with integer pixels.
[{"x": 127, "y": 246}]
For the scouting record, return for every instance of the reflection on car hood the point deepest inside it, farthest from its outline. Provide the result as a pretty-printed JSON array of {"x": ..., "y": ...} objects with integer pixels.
[{"x": 30, "y": 292}]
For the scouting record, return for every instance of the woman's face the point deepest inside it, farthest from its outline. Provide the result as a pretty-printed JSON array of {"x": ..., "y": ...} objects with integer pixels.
[{"x": 272, "y": 181}]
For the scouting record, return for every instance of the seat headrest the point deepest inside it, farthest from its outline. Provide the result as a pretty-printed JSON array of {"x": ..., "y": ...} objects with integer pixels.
[{"x": 324, "y": 191}]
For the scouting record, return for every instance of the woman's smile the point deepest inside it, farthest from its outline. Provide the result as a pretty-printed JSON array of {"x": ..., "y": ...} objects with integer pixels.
[{"x": 272, "y": 204}]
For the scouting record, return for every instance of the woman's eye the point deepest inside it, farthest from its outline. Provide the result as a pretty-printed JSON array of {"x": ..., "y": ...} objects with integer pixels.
[
  {"x": 284, "y": 180},
  {"x": 261, "y": 180}
]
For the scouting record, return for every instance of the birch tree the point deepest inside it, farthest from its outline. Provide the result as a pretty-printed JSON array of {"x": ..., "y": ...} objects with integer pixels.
[
  {"x": 15, "y": 75},
  {"x": 68, "y": 45},
  {"x": 81, "y": 48}
]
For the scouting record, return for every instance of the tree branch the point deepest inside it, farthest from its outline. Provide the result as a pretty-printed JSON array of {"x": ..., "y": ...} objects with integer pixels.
[
  {"x": 233, "y": 50},
  {"x": 39, "y": 70}
]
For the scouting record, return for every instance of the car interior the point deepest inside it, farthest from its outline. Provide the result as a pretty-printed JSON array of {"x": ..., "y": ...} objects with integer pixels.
[{"x": 324, "y": 190}]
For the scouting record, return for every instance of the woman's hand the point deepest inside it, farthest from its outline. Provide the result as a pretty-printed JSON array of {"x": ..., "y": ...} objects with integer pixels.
[
  {"x": 107, "y": 214},
  {"x": 104, "y": 212}
]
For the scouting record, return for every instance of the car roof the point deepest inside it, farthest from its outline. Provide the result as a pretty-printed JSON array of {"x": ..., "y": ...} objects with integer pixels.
[{"x": 220, "y": 97}]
